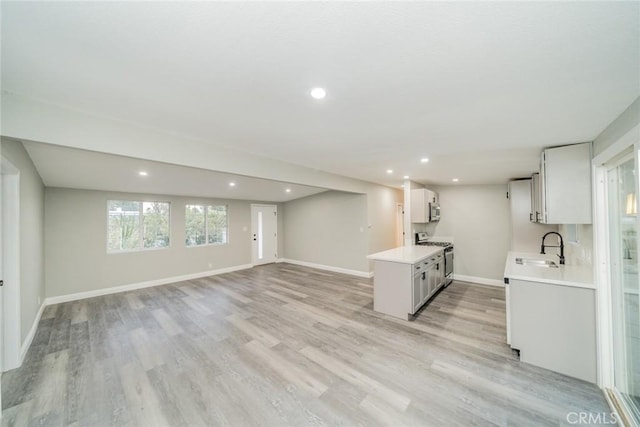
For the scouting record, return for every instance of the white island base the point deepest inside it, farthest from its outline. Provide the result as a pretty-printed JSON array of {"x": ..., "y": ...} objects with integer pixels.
[
  {"x": 392, "y": 292},
  {"x": 405, "y": 278}
]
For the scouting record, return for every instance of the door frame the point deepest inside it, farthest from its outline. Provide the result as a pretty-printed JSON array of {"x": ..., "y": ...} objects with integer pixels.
[
  {"x": 602, "y": 256},
  {"x": 10, "y": 240},
  {"x": 254, "y": 260},
  {"x": 399, "y": 224}
]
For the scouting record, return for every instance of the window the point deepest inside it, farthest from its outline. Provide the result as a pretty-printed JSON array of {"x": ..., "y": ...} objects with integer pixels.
[
  {"x": 205, "y": 225},
  {"x": 133, "y": 226}
]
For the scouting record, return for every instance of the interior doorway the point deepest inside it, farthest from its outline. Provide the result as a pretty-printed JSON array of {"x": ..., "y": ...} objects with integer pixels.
[
  {"x": 9, "y": 266},
  {"x": 264, "y": 234}
]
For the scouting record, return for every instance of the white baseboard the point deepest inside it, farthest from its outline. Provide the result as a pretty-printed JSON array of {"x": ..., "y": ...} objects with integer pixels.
[
  {"x": 32, "y": 333},
  {"x": 150, "y": 283},
  {"x": 366, "y": 274},
  {"x": 478, "y": 280}
]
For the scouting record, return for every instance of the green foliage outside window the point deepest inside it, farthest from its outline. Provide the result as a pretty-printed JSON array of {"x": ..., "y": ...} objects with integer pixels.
[
  {"x": 205, "y": 225},
  {"x": 135, "y": 225}
]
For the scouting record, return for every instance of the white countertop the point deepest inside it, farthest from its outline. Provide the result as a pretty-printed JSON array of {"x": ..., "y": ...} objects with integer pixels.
[
  {"x": 406, "y": 254},
  {"x": 580, "y": 276}
]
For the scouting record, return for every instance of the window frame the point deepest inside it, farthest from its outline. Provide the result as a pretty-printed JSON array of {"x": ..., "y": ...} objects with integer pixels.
[
  {"x": 140, "y": 247},
  {"x": 206, "y": 207}
]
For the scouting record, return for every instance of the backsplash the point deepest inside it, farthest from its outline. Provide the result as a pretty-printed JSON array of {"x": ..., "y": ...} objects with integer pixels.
[{"x": 580, "y": 253}]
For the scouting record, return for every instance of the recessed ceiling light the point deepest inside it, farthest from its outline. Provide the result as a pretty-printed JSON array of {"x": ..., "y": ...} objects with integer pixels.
[
  {"x": 389, "y": 171},
  {"x": 232, "y": 184},
  {"x": 424, "y": 160},
  {"x": 143, "y": 173},
  {"x": 288, "y": 190},
  {"x": 455, "y": 180},
  {"x": 318, "y": 93},
  {"x": 405, "y": 177}
]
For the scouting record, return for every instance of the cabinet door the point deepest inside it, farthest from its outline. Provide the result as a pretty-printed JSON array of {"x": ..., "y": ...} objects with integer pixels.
[
  {"x": 419, "y": 211},
  {"x": 424, "y": 286},
  {"x": 535, "y": 215},
  {"x": 566, "y": 174},
  {"x": 417, "y": 290},
  {"x": 541, "y": 193},
  {"x": 439, "y": 275},
  {"x": 432, "y": 280}
]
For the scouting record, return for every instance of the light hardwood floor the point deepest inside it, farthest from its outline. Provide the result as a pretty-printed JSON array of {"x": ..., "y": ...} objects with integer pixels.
[{"x": 282, "y": 345}]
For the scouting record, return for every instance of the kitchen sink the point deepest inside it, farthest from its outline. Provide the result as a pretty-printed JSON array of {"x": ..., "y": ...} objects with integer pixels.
[{"x": 536, "y": 262}]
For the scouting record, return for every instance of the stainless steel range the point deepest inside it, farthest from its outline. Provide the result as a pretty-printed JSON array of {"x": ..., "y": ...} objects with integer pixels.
[{"x": 422, "y": 239}]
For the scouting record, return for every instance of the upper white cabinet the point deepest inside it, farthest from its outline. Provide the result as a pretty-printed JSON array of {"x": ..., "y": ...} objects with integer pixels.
[
  {"x": 561, "y": 192},
  {"x": 420, "y": 199}
]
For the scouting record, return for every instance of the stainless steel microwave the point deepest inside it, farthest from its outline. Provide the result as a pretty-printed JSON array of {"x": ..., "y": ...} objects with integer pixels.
[{"x": 434, "y": 212}]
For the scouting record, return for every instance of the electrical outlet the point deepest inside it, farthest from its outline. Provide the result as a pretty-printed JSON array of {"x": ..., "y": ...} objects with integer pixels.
[
  {"x": 38, "y": 300},
  {"x": 210, "y": 265}
]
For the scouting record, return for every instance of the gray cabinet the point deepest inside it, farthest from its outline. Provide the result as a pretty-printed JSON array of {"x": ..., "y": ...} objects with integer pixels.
[
  {"x": 420, "y": 200},
  {"x": 525, "y": 235},
  {"x": 428, "y": 278},
  {"x": 561, "y": 192},
  {"x": 553, "y": 326},
  {"x": 420, "y": 279},
  {"x": 535, "y": 213}
]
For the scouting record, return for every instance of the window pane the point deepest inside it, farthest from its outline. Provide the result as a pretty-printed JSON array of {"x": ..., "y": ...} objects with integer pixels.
[
  {"x": 623, "y": 222},
  {"x": 156, "y": 224},
  {"x": 194, "y": 225},
  {"x": 217, "y": 224},
  {"x": 123, "y": 225}
]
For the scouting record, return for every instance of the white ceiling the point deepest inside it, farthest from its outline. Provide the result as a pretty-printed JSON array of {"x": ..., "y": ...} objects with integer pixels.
[
  {"x": 478, "y": 87},
  {"x": 73, "y": 168}
]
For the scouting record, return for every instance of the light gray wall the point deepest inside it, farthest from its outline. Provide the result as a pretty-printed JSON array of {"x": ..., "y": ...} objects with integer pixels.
[
  {"x": 340, "y": 229},
  {"x": 620, "y": 126},
  {"x": 382, "y": 211},
  {"x": 329, "y": 228},
  {"x": 32, "y": 282},
  {"x": 477, "y": 217},
  {"x": 76, "y": 256}
]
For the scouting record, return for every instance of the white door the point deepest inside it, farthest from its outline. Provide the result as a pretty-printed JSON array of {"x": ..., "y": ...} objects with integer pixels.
[
  {"x": 264, "y": 234},
  {"x": 10, "y": 341}
]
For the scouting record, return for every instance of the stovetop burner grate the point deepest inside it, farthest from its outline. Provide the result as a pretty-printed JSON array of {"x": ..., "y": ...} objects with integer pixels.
[{"x": 442, "y": 244}]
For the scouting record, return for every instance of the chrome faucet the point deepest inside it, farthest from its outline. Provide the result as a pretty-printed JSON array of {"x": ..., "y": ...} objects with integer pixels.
[{"x": 553, "y": 246}]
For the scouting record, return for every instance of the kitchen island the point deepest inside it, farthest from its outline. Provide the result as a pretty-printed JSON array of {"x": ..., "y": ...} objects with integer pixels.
[
  {"x": 551, "y": 313},
  {"x": 405, "y": 278}
]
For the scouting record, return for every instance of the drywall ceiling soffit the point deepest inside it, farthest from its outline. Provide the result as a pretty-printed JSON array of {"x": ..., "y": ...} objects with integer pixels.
[
  {"x": 404, "y": 79},
  {"x": 81, "y": 169}
]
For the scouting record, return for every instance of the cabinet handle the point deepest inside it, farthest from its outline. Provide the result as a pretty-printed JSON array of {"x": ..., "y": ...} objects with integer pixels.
[
  {"x": 437, "y": 266},
  {"x": 424, "y": 276},
  {"x": 537, "y": 216},
  {"x": 530, "y": 216}
]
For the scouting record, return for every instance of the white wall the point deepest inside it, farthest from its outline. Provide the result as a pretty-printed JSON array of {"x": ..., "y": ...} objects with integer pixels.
[
  {"x": 619, "y": 127},
  {"x": 382, "y": 216},
  {"x": 76, "y": 256},
  {"x": 340, "y": 229},
  {"x": 477, "y": 217},
  {"x": 329, "y": 228},
  {"x": 32, "y": 281},
  {"x": 580, "y": 253},
  {"x": 32, "y": 120}
]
